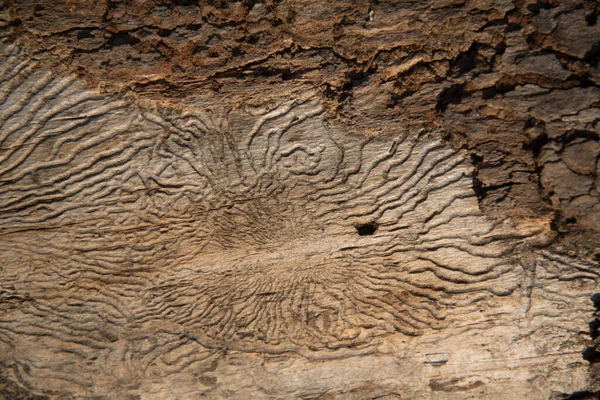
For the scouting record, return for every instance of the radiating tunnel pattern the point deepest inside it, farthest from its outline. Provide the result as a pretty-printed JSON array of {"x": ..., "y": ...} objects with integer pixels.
[{"x": 156, "y": 237}]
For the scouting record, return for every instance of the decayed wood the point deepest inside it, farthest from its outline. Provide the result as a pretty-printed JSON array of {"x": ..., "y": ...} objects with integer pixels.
[{"x": 280, "y": 248}]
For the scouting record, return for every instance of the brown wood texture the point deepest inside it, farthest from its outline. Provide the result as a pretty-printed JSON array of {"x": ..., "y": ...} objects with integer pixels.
[{"x": 289, "y": 199}]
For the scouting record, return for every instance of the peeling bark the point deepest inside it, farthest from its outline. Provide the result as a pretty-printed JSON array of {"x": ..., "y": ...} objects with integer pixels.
[{"x": 288, "y": 199}]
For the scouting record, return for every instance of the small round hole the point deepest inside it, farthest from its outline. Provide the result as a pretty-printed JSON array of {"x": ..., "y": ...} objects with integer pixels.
[{"x": 366, "y": 229}]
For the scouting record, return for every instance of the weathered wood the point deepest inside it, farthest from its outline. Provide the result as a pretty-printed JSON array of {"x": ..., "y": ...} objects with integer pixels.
[{"x": 300, "y": 244}]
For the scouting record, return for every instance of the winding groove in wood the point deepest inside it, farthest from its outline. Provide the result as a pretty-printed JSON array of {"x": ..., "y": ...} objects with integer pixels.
[{"x": 146, "y": 242}]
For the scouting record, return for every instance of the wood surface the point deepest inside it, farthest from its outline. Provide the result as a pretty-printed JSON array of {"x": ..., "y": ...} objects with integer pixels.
[{"x": 388, "y": 200}]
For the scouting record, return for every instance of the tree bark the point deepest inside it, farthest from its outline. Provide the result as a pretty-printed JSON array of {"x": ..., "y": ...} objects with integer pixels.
[{"x": 295, "y": 199}]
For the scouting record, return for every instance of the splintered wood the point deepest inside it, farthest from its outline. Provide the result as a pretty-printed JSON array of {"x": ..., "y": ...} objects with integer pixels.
[{"x": 163, "y": 252}]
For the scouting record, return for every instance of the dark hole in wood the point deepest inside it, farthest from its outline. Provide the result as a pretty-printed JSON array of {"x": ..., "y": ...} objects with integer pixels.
[
  {"x": 594, "y": 326},
  {"x": 596, "y": 300},
  {"x": 591, "y": 354},
  {"x": 584, "y": 395},
  {"x": 366, "y": 229}
]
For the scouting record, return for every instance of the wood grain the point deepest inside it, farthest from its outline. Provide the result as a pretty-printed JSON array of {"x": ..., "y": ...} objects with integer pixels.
[{"x": 155, "y": 250}]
